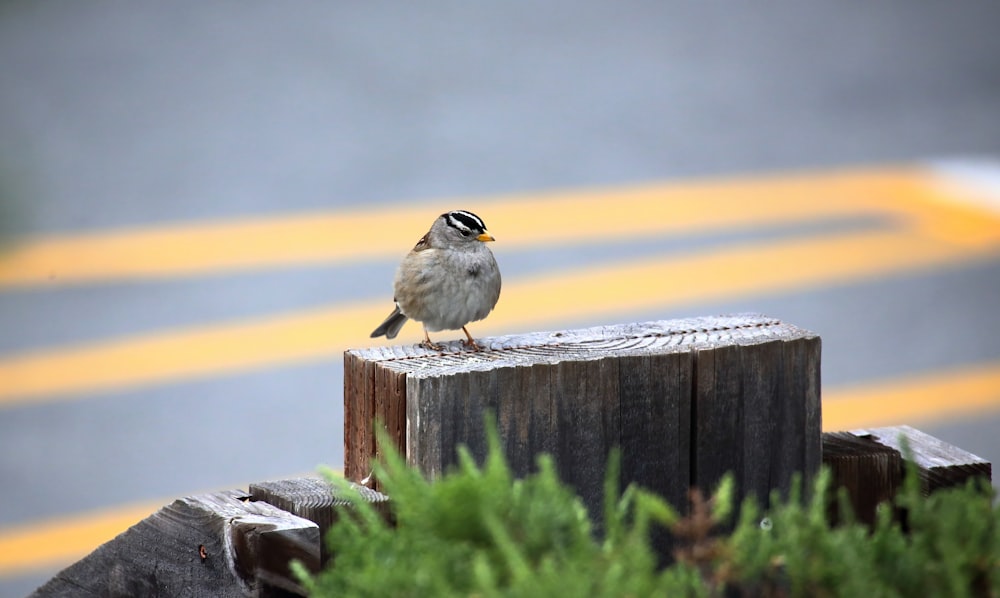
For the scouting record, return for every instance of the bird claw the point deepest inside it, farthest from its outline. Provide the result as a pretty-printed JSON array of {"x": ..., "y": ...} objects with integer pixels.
[
  {"x": 467, "y": 342},
  {"x": 432, "y": 346},
  {"x": 471, "y": 344}
]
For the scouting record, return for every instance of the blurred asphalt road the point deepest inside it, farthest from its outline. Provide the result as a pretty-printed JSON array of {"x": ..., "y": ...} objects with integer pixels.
[{"x": 209, "y": 200}]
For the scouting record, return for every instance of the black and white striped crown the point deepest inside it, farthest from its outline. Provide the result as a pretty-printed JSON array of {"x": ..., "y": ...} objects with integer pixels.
[{"x": 466, "y": 222}]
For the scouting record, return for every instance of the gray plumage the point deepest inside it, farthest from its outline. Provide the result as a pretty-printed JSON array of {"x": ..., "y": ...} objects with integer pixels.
[{"x": 449, "y": 279}]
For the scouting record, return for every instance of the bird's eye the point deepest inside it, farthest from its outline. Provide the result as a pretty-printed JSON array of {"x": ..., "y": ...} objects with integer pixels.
[{"x": 466, "y": 233}]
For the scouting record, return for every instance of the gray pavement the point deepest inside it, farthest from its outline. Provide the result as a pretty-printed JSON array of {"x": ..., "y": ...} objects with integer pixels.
[
  {"x": 124, "y": 114},
  {"x": 157, "y": 112}
]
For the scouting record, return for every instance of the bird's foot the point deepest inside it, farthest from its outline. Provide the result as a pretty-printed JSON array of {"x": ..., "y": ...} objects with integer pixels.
[
  {"x": 471, "y": 344},
  {"x": 427, "y": 344}
]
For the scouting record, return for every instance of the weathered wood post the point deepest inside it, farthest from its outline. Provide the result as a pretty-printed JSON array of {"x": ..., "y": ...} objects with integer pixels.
[
  {"x": 686, "y": 400},
  {"x": 219, "y": 545},
  {"x": 870, "y": 466}
]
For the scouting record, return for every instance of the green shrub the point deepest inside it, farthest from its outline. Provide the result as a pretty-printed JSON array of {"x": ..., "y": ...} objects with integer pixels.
[
  {"x": 479, "y": 532},
  {"x": 951, "y": 549}
]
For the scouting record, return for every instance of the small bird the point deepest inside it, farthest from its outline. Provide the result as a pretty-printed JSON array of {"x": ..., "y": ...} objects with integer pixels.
[{"x": 450, "y": 278}]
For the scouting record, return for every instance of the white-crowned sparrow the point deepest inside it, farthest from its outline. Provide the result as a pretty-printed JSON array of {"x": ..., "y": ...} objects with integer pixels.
[{"x": 449, "y": 279}]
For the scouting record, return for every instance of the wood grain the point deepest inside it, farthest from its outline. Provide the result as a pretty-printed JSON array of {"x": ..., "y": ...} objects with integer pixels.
[
  {"x": 686, "y": 400},
  {"x": 870, "y": 472},
  {"x": 939, "y": 464},
  {"x": 216, "y": 545},
  {"x": 314, "y": 499}
]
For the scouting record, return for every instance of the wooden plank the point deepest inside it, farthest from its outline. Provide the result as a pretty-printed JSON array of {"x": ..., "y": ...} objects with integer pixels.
[
  {"x": 940, "y": 465},
  {"x": 426, "y": 433},
  {"x": 358, "y": 416},
  {"x": 756, "y": 413},
  {"x": 314, "y": 499},
  {"x": 656, "y": 429},
  {"x": 686, "y": 399},
  {"x": 211, "y": 545},
  {"x": 870, "y": 472},
  {"x": 801, "y": 419},
  {"x": 656, "y": 422},
  {"x": 588, "y": 412},
  {"x": 389, "y": 409},
  {"x": 761, "y": 401},
  {"x": 716, "y": 433},
  {"x": 526, "y": 391}
]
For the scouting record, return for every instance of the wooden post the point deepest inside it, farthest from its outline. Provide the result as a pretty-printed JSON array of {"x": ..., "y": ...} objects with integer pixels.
[
  {"x": 228, "y": 544},
  {"x": 212, "y": 545},
  {"x": 313, "y": 499},
  {"x": 686, "y": 400},
  {"x": 939, "y": 464},
  {"x": 870, "y": 473},
  {"x": 869, "y": 465}
]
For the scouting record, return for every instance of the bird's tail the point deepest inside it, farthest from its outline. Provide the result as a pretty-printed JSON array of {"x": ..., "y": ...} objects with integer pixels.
[{"x": 390, "y": 327}]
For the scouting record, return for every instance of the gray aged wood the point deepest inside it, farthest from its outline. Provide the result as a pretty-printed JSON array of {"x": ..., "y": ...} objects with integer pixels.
[
  {"x": 869, "y": 465},
  {"x": 757, "y": 412},
  {"x": 870, "y": 472},
  {"x": 314, "y": 499},
  {"x": 940, "y": 465},
  {"x": 686, "y": 400},
  {"x": 212, "y": 545}
]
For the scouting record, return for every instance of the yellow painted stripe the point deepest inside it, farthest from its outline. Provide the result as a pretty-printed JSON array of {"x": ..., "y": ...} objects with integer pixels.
[
  {"x": 726, "y": 274},
  {"x": 185, "y": 353},
  {"x": 934, "y": 396},
  {"x": 538, "y": 302},
  {"x": 519, "y": 221},
  {"x": 58, "y": 542}
]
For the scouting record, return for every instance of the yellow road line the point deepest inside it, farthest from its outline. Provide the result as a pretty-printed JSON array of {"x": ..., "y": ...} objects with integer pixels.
[
  {"x": 61, "y": 541},
  {"x": 933, "y": 396},
  {"x": 537, "y": 302},
  {"x": 519, "y": 221},
  {"x": 728, "y": 273},
  {"x": 912, "y": 400}
]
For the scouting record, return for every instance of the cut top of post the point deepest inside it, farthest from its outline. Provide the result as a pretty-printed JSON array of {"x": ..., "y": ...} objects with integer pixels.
[{"x": 656, "y": 337}]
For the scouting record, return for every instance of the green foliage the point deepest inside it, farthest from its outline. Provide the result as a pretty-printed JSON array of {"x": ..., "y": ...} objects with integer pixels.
[
  {"x": 479, "y": 532},
  {"x": 951, "y": 548}
]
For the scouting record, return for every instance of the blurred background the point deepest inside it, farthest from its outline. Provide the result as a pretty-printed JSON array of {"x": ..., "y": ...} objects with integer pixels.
[{"x": 203, "y": 204}]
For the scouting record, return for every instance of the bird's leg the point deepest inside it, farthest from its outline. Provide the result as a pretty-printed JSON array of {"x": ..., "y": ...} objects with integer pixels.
[
  {"x": 471, "y": 343},
  {"x": 428, "y": 344}
]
